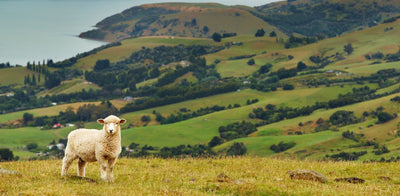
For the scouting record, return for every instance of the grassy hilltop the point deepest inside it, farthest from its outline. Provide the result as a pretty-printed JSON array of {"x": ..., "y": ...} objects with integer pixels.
[
  {"x": 243, "y": 176},
  {"x": 177, "y": 19}
]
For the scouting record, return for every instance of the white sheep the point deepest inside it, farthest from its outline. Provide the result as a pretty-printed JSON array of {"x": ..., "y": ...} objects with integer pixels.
[{"x": 90, "y": 145}]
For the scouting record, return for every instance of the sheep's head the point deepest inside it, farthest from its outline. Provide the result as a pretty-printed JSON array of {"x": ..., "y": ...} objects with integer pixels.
[{"x": 111, "y": 124}]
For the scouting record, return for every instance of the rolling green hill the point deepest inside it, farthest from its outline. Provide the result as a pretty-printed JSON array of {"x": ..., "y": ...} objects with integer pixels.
[
  {"x": 263, "y": 73},
  {"x": 178, "y": 19},
  {"x": 327, "y": 18},
  {"x": 305, "y": 17}
]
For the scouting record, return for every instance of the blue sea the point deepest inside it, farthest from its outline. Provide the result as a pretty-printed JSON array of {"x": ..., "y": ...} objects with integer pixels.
[{"x": 37, "y": 30}]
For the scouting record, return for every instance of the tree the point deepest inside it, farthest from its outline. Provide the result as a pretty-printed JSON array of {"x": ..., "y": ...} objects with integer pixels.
[
  {"x": 27, "y": 117},
  {"x": 237, "y": 149},
  {"x": 288, "y": 87},
  {"x": 384, "y": 117},
  {"x": 217, "y": 37},
  {"x": 342, "y": 118},
  {"x": 69, "y": 115},
  {"x": 133, "y": 146},
  {"x": 146, "y": 118},
  {"x": 132, "y": 85},
  {"x": 272, "y": 34},
  {"x": 51, "y": 81},
  {"x": 194, "y": 22},
  {"x": 301, "y": 66},
  {"x": 101, "y": 64},
  {"x": 6, "y": 154},
  {"x": 348, "y": 48},
  {"x": 27, "y": 80},
  {"x": 282, "y": 146},
  {"x": 154, "y": 73},
  {"x": 205, "y": 29},
  {"x": 260, "y": 33},
  {"x": 31, "y": 146},
  {"x": 215, "y": 141},
  {"x": 33, "y": 80},
  {"x": 265, "y": 68},
  {"x": 159, "y": 117},
  {"x": 251, "y": 62}
]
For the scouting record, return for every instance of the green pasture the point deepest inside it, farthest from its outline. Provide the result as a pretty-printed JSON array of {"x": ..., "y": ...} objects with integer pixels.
[
  {"x": 192, "y": 131},
  {"x": 358, "y": 109},
  {"x": 16, "y": 76},
  {"x": 305, "y": 96},
  {"x": 15, "y": 138},
  {"x": 296, "y": 98},
  {"x": 49, "y": 111},
  {"x": 260, "y": 146},
  {"x": 249, "y": 45},
  {"x": 202, "y": 129},
  {"x": 367, "y": 41},
  {"x": 231, "y": 68},
  {"x": 195, "y": 104},
  {"x": 71, "y": 86}
]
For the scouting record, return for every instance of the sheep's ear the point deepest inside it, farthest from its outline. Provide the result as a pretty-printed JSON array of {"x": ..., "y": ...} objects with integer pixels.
[
  {"x": 101, "y": 121},
  {"x": 122, "y": 121}
]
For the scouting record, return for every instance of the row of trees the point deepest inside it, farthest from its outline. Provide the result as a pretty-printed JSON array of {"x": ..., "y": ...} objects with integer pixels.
[
  {"x": 264, "y": 80},
  {"x": 181, "y": 151},
  {"x": 168, "y": 54},
  {"x": 28, "y": 80},
  {"x": 182, "y": 94},
  {"x": 71, "y": 61},
  {"x": 39, "y": 68},
  {"x": 282, "y": 146},
  {"x": 236, "y": 130},
  {"x": 261, "y": 33},
  {"x": 184, "y": 115},
  {"x": 272, "y": 114},
  {"x": 352, "y": 156},
  {"x": 342, "y": 118},
  {"x": 294, "y": 41},
  {"x": 217, "y": 37},
  {"x": 85, "y": 113},
  {"x": 5, "y": 65},
  {"x": 21, "y": 100},
  {"x": 121, "y": 77},
  {"x": 380, "y": 56}
]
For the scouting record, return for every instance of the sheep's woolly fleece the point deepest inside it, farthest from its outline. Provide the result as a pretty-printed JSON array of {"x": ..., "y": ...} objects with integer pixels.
[{"x": 89, "y": 145}]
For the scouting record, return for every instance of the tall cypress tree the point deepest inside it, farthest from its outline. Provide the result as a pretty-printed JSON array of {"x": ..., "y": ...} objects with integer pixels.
[{"x": 33, "y": 80}]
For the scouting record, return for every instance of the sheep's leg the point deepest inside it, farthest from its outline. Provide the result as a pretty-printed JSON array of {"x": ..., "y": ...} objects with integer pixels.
[
  {"x": 103, "y": 168},
  {"x": 81, "y": 167},
  {"x": 67, "y": 160},
  {"x": 110, "y": 175}
]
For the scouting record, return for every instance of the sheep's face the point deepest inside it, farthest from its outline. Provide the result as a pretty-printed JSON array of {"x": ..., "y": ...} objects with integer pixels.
[{"x": 111, "y": 124}]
